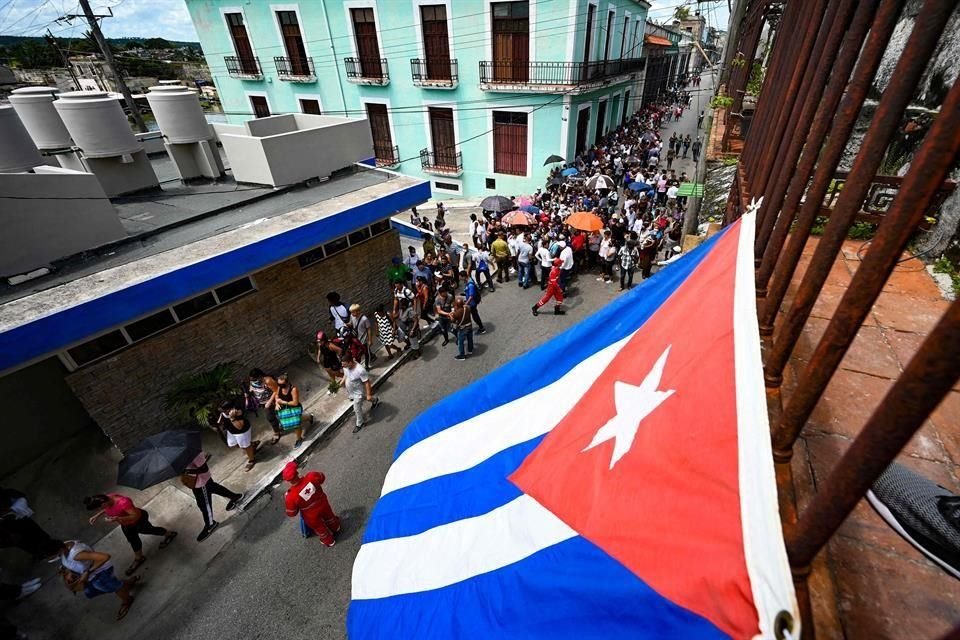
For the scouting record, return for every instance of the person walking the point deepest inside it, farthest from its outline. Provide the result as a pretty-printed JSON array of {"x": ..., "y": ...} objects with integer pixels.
[
  {"x": 408, "y": 328},
  {"x": 17, "y": 526},
  {"x": 257, "y": 392},
  {"x": 608, "y": 255},
  {"x": 628, "y": 259},
  {"x": 461, "y": 320},
  {"x": 700, "y": 119},
  {"x": 289, "y": 409},
  {"x": 328, "y": 357},
  {"x": 90, "y": 572},
  {"x": 686, "y": 145},
  {"x": 471, "y": 293},
  {"x": 524, "y": 257},
  {"x": 363, "y": 329},
  {"x": 197, "y": 477},
  {"x": 385, "y": 330},
  {"x": 238, "y": 432},
  {"x": 695, "y": 148},
  {"x": 481, "y": 260},
  {"x": 133, "y": 521},
  {"x": 339, "y": 313},
  {"x": 553, "y": 291},
  {"x": 357, "y": 381},
  {"x": 545, "y": 260},
  {"x": 501, "y": 254},
  {"x": 671, "y": 155},
  {"x": 444, "y": 306},
  {"x": 306, "y": 498}
]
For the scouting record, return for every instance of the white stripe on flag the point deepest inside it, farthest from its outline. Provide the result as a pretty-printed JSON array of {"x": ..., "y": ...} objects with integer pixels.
[
  {"x": 763, "y": 546},
  {"x": 472, "y": 441},
  {"x": 456, "y": 551}
]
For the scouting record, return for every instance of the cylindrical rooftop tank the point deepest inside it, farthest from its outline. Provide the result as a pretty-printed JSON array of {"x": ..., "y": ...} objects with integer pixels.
[
  {"x": 97, "y": 124},
  {"x": 17, "y": 151},
  {"x": 179, "y": 114},
  {"x": 35, "y": 107}
]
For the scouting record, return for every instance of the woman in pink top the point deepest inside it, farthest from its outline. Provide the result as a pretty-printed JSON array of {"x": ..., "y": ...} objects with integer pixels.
[{"x": 133, "y": 521}]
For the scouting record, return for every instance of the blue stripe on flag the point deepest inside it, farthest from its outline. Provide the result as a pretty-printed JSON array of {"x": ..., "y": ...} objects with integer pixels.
[
  {"x": 452, "y": 497},
  {"x": 570, "y": 590},
  {"x": 549, "y": 362}
]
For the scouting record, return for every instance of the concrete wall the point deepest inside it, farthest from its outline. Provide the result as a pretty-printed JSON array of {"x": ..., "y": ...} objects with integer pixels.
[
  {"x": 267, "y": 328},
  {"x": 40, "y": 412},
  {"x": 41, "y": 222}
]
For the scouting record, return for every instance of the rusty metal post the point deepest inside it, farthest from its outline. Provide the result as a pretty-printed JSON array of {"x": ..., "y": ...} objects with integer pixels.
[
  {"x": 816, "y": 14},
  {"x": 841, "y": 125},
  {"x": 826, "y": 112},
  {"x": 928, "y": 170},
  {"x": 749, "y": 41},
  {"x": 923, "y": 39},
  {"x": 953, "y": 634},
  {"x": 815, "y": 76},
  {"x": 916, "y": 393}
]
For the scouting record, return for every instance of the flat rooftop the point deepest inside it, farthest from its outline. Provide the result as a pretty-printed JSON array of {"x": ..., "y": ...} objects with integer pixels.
[{"x": 183, "y": 239}]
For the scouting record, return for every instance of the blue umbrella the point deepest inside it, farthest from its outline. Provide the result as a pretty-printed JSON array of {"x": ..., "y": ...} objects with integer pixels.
[
  {"x": 637, "y": 186},
  {"x": 569, "y": 171},
  {"x": 529, "y": 208}
]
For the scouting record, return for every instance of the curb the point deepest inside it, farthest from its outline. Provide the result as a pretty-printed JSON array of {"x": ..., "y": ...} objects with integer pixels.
[{"x": 263, "y": 487}]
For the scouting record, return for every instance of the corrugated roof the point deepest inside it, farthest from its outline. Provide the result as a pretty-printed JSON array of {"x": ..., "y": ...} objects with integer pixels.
[{"x": 657, "y": 40}]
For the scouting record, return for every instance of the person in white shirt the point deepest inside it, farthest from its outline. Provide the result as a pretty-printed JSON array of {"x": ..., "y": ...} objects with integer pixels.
[
  {"x": 672, "y": 196},
  {"x": 566, "y": 269},
  {"x": 608, "y": 254},
  {"x": 512, "y": 243},
  {"x": 524, "y": 266},
  {"x": 546, "y": 262}
]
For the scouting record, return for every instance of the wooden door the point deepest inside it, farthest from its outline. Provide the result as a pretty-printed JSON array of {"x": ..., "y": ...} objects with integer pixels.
[
  {"x": 443, "y": 137},
  {"x": 601, "y": 119},
  {"x": 436, "y": 42},
  {"x": 368, "y": 49},
  {"x": 511, "y": 41},
  {"x": 583, "y": 127},
  {"x": 380, "y": 132},
  {"x": 260, "y": 107},
  {"x": 241, "y": 43},
  {"x": 293, "y": 43},
  {"x": 588, "y": 39}
]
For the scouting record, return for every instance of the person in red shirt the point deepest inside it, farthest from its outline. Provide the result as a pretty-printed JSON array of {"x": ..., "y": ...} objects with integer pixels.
[
  {"x": 553, "y": 291},
  {"x": 578, "y": 242},
  {"x": 305, "y": 497}
]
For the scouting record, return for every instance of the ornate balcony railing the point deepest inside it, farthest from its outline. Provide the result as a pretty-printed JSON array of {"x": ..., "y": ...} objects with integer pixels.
[
  {"x": 434, "y": 72},
  {"x": 448, "y": 161},
  {"x": 386, "y": 155},
  {"x": 243, "y": 66},
  {"x": 367, "y": 70},
  {"x": 295, "y": 69},
  {"x": 496, "y": 72}
]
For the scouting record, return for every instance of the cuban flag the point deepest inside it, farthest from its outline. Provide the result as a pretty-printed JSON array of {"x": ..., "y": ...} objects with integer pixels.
[{"x": 615, "y": 482}]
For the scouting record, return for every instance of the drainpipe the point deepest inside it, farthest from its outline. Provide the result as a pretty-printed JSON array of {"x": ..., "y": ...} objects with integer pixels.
[{"x": 336, "y": 58}]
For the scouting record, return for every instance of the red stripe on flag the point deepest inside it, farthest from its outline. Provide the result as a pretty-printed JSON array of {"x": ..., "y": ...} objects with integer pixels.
[{"x": 669, "y": 508}]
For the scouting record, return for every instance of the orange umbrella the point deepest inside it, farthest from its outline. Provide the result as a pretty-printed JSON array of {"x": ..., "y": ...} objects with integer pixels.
[
  {"x": 518, "y": 219},
  {"x": 585, "y": 221}
]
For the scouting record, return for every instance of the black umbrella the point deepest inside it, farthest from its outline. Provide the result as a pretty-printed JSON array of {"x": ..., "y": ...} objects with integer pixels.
[
  {"x": 497, "y": 204},
  {"x": 552, "y": 159},
  {"x": 556, "y": 181},
  {"x": 158, "y": 458}
]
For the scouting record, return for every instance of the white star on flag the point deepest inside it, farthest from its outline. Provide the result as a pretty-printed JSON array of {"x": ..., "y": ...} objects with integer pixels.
[
  {"x": 633, "y": 403},
  {"x": 754, "y": 205}
]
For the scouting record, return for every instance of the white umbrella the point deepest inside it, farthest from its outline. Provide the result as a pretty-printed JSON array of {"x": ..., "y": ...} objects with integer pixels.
[{"x": 600, "y": 182}]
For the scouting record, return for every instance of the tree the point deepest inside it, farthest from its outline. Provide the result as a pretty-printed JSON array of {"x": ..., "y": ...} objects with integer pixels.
[
  {"x": 681, "y": 13},
  {"x": 35, "y": 54},
  {"x": 157, "y": 43}
]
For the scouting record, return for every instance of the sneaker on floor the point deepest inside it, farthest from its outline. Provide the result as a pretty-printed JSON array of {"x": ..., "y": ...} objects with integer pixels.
[
  {"x": 460, "y": 358},
  {"x": 374, "y": 403},
  {"x": 207, "y": 531},
  {"x": 235, "y": 502},
  {"x": 924, "y": 513},
  {"x": 482, "y": 331},
  {"x": 357, "y": 428},
  {"x": 296, "y": 445}
]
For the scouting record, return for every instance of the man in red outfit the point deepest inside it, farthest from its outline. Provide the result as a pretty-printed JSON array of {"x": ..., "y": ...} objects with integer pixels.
[
  {"x": 553, "y": 291},
  {"x": 305, "y": 497}
]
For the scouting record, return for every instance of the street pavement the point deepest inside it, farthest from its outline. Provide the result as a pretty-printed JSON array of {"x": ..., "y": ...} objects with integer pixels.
[{"x": 269, "y": 582}]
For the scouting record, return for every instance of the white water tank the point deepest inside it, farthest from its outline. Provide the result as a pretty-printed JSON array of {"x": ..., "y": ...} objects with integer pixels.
[
  {"x": 17, "y": 151},
  {"x": 179, "y": 114},
  {"x": 97, "y": 124},
  {"x": 35, "y": 107}
]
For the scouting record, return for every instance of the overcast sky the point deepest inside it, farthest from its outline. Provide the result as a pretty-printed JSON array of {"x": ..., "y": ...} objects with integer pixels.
[{"x": 169, "y": 18}]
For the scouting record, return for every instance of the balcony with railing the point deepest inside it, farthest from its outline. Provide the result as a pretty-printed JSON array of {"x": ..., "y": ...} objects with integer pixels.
[
  {"x": 511, "y": 75},
  {"x": 447, "y": 162},
  {"x": 387, "y": 156},
  {"x": 434, "y": 73},
  {"x": 245, "y": 67},
  {"x": 372, "y": 71},
  {"x": 295, "y": 69}
]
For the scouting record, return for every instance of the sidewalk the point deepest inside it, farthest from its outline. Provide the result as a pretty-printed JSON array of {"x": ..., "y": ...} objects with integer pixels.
[{"x": 57, "y": 482}]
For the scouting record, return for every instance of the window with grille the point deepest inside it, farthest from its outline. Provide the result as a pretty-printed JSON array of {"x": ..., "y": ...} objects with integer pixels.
[
  {"x": 510, "y": 142},
  {"x": 310, "y": 106}
]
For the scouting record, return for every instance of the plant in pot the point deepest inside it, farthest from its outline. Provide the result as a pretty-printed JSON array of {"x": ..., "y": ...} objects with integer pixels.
[{"x": 197, "y": 397}]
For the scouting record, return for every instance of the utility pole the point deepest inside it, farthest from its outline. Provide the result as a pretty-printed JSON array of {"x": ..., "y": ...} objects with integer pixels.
[
  {"x": 108, "y": 59},
  {"x": 63, "y": 56}
]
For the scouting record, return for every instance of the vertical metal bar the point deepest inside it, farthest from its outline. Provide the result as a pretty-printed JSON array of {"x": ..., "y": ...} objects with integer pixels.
[
  {"x": 841, "y": 125},
  {"x": 822, "y": 59},
  {"x": 826, "y": 111},
  {"x": 923, "y": 40},
  {"x": 929, "y": 169},
  {"x": 801, "y": 55},
  {"x": 916, "y": 393}
]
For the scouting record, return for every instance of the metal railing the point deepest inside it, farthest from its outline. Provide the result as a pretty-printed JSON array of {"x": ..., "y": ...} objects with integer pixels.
[
  {"x": 243, "y": 67},
  {"x": 295, "y": 68},
  {"x": 369, "y": 69},
  {"x": 822, "y": 67},
  {"x": 443, "y": 162},
  {"x": 434, "y": 72},
  {"x": 555, "y": 73},
  {"x": 386, "y": 155}
]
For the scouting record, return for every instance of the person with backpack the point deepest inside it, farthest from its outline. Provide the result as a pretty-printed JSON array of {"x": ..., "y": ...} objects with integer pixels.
[
  {"x": 197, "y": 477},
  {"x": 339, "y": 314},
  {"x": 306, "y": 498},
  {"x": 471, "y": 294},
  {"x": 463, "y": 325},
  {"x": 363, "y": 330},
  {"x": 408, "y": 326},
  {"x": 328, "y": 357}
]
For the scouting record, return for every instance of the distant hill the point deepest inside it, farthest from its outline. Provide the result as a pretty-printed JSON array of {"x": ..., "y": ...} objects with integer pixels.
[{"x": 13, "y": 40}]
